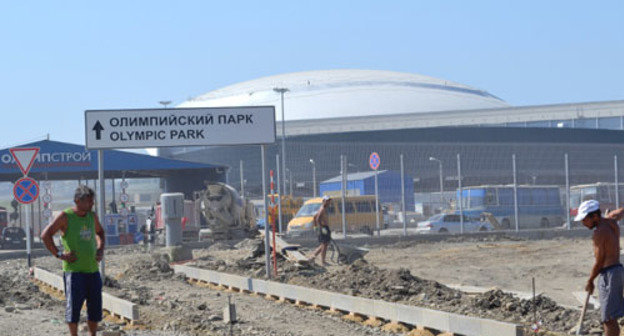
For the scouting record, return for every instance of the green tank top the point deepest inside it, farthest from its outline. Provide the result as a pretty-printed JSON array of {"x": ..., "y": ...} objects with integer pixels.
[{"x": 80, "y": 239}]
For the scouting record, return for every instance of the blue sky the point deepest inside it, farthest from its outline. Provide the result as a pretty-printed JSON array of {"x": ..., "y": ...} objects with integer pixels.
[{"x": 60, "y": 58}]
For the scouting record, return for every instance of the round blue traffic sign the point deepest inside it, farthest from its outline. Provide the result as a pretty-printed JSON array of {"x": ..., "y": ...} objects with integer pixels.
[
  {"x": 374, "y": 161},
  {"x": 26, "y": 190}
]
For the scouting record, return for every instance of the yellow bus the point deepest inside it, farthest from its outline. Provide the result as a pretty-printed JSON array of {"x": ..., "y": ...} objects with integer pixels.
[{"x": 359, "y": 215}]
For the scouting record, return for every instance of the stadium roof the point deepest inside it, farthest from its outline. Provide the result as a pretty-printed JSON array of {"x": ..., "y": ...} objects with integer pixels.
[{"x": 350, "y": 93}]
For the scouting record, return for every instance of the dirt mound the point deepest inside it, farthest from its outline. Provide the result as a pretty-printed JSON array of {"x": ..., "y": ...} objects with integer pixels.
[
  {"x": 219, "y": 246},
  {"x": 155, "y": 267},
  {"x": 362, "y": 279},
  {"x": 501, "y": 305},
  {"x": 253, "y": 247}
]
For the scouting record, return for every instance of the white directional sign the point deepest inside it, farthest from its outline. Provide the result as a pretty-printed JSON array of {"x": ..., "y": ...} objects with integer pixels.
[{"x": 179, "y": 127}]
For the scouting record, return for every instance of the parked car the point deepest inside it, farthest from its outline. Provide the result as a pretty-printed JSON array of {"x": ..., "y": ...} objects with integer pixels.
[
  {"x": 13, "y": 238},
  {"x": 450, "y": 223}
]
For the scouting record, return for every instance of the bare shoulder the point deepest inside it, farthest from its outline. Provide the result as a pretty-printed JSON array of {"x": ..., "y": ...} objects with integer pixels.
[
  {"x": 600, "y": 232},
  {"x": 61, "y": 219}
]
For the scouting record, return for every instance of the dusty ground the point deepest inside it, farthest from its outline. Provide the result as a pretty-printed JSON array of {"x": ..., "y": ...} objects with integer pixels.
[
  {"x": 408, "y": 273},
  {"x": 414, "y": 274},
  {"x": 171, "y": 306},
  {"x": 559, "y": 266}
]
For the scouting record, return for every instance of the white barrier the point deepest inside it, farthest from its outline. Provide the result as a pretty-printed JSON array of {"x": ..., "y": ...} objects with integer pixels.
[
  {"x": 423, "y": 317},
  {"x": 110, "y": 303}
]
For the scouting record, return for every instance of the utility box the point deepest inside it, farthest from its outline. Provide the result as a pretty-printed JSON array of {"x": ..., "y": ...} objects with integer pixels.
[{"x": 172, "y": 212}]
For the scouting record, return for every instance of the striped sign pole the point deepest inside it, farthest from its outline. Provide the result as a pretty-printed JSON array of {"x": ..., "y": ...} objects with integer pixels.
[{"x": 273, "y": 220}]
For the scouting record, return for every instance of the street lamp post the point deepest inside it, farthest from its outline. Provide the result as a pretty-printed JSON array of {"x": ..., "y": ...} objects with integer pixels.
[
  {"x": 431, "y": 158},
  {"x": 289, "y": 179},
  {"x": 164, "y": 103},
  {"x": 281, "y": 91},
  {"x": 313, "y": 177}
]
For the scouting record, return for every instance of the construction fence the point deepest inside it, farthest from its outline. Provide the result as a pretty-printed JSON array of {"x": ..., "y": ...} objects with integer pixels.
[{"x": 454, "y": 188}]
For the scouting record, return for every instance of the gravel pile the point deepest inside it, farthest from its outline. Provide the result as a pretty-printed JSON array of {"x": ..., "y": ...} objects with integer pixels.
[{"x": 155, "y": 267}]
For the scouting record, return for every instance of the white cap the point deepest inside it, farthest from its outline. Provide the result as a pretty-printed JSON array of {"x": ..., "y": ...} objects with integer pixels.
[
  {"x": 585, "y": 208},
  {"x": 325, "y": 198}
]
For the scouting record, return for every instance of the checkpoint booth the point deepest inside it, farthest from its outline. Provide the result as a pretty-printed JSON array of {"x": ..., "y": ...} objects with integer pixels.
[{"x": 59, "y": 161}]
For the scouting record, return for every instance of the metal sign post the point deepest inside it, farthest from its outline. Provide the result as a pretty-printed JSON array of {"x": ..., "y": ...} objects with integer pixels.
[
  {"x": 279, "y": 193},
  {"x": 28, "y": 237},
  {"x": 26, "y": 190},
  {"x": 101, "y": 204},
  {"x": 266, "y": 216}
]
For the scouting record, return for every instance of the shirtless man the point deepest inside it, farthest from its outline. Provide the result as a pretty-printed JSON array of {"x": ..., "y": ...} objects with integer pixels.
[
  {"x": 607, "y": 252},
  {"x": 324, "y": 237}
]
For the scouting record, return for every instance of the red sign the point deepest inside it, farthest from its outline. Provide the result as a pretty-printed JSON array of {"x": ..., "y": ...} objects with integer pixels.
[
  {"x": 374, "y": 161},
  {"x": 26, "y": 190}
]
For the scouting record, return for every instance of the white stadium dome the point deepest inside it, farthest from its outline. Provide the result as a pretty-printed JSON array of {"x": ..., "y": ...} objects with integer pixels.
[{"x": 350, "y": 93}]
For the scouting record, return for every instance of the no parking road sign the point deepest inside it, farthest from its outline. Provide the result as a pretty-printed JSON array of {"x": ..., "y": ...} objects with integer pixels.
[
  {"x": 374, "y": 161},
  {"x": 26, "y": 190}
]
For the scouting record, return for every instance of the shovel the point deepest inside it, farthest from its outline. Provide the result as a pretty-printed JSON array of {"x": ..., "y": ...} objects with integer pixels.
[{"x": 580, "y": 322}]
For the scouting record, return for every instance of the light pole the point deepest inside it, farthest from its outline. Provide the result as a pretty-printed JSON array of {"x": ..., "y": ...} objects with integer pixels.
[
  {"x": 431, "y": 158},
  {"x": 289, "y": 182},
  {"x": 281, "y": 91},
  {"x": 313, "y": 177},
  {"x": 164, "y": 103}
]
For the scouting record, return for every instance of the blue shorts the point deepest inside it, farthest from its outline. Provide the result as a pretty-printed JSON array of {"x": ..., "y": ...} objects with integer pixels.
[{"x": 78, "y": 288}]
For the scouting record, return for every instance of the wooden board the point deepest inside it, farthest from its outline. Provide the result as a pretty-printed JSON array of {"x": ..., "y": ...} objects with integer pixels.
[{"x": 289, "y": 251}]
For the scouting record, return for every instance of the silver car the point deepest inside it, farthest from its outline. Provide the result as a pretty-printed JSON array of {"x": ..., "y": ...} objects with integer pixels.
[{"x": 450, "y": 223}]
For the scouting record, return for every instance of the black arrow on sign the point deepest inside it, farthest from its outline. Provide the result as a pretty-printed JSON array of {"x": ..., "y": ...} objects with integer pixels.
[{"x": 98, "y": 130}]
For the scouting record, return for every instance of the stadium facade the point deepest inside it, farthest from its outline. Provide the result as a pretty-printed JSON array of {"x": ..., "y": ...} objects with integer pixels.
[{"x": 430, "y": 121}]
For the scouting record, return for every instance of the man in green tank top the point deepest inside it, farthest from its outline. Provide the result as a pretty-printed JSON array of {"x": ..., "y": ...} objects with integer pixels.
[{"x": 82, "y": 238}]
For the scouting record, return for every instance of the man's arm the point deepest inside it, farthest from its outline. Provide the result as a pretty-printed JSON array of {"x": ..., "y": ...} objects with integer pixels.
[
  {"x": 59, "y": 224},
  {"x": 101, "y": 240},
  {"x": 599, "y": 252},
  {"x": 315, "y": 219},
  {"x": 616, "y": 214}
]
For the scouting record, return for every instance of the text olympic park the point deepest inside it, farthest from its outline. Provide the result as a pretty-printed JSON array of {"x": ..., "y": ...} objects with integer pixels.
[{"x": 172, "y": 120}]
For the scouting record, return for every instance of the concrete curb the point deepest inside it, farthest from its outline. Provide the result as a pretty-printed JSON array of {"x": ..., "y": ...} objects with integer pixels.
[
  {"x": 110, "y": 303},
  {"x": 421, "y": 317}
]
